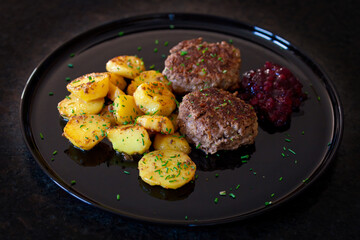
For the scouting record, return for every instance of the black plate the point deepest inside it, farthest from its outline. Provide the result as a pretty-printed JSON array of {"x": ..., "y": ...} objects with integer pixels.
[{"x": 266, "y": 180}]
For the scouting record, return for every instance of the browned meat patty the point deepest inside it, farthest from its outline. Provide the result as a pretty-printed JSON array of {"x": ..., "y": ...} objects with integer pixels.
[
  {"x": 195, "y": 64},
  {"x": 213, "y": 119}
]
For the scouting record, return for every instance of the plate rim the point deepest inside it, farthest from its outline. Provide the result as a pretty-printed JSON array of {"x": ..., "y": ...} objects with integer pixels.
[{"x": 186, "y": 17}]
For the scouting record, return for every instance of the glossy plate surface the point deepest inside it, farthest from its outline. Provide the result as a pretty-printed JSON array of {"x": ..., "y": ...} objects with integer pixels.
[{"x": 276, "y": 170}]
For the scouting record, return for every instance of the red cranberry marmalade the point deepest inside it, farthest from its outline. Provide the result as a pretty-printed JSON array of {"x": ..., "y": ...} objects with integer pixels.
[{"x": 274, "y": 92}]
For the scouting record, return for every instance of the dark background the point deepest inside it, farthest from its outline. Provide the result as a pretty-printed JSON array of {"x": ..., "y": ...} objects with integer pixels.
[{"x": 33, "y": 207}]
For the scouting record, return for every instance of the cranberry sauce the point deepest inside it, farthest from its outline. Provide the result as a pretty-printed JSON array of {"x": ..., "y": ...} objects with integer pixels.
[{"x": 273, "y": 91}]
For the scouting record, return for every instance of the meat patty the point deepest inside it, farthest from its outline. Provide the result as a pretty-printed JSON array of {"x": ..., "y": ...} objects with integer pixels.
[
  {"x": 195, "y": 64},
  {"x": 213, "y": 119}
]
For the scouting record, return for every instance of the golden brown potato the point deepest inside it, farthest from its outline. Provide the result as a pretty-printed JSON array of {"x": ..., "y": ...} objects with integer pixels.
[
  {"x": 147, "y": 77},
  {"x": 86, "y": 131},
  {"x": 118, "y": 80},
  {"x": 131, "y": 88},
  {"x": 173, "y": 118},
  {"x": 167, "y": 168},
  {"x": 107, "y": 113},
  {"x": 126, "y": 66},
  {"x": 130, "y": 139},
  {"x": 155, "y": 99},
  {"x": 171, "y": 142},
  {"x": 114, "y": 92},
  {"x": 125, "y": 109},
  {"x": 90, "y": 87},
  {"x": 159, "y": 124},
  {"x": 74, "y": 106}
]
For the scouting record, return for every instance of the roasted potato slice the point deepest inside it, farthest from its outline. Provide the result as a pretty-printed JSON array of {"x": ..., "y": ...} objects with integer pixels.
[
  {"x": 155, "y": 98},
  {"x": 114, "y": 92},
  {"x": 171, "y": 142},
  {"x": 130, "y": 139},
  {"x": 159, "y": 124},
  {"x": 126, "y": 66},
  {"x": 131, "y": 88},
  {"x": 173, "y": 118},
  {"x": 125, "y": 109},
  {"x": 107, "y": 113},
  {"x": 90, "y": 86},
  {"x": 86, "y": 131},
  {"x": 147, "y": 77},
  {"x": 73, "y": 106},
  {"x": 167, "y": 168},
  {"x": 118, "y": 81}
]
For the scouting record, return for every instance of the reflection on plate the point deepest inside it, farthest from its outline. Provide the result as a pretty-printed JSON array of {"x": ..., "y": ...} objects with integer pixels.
[{"x": 256, "y": 178}]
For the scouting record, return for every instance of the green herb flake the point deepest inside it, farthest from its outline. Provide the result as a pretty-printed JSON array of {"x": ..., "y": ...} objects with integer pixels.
[
  {"x": 139, "y": 48},
  {"x": 222, "y": 193},
  {"x": 290, "y": 150},
  {"x": 68, "y": 79},
  {"x": 70, "y": 65},
  {"x": 268, "y": 203},
  {"x": 118, "y": 197},
  {"x": 41, "y": 136},
  {"x": 51, "y": 94},
  {"x": 126, "y": 172},
  {"x": 280, "y": 178},
  {"x": 245, "y": 157},
  {"x": 183, "y": 53},
  {"x": 155, "y": 50},
  {"x": 237, "y": 187},
  {"x": 72, "y": 55},
  {"x": 216, "y": 200},
  {"x": 54, "y": 152},
  {"x": 121, "y": 34},
  {"x": 171, "y": 26},
  {"x": 287, "y": 140},
  {"x": 156, "y": 41},
  {"x": 232, "y": 195},
  {"x": 73, "y": 182}
]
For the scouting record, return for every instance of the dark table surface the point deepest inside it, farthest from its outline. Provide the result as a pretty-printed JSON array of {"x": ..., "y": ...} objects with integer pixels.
[{"x": 33, "y": 206}]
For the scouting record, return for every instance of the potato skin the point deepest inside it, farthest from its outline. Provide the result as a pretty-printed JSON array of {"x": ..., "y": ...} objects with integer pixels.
[
  {"x": 153, "y": 124},
  {"x": 167, "y": 168},
  {"x": 126, "y": 66},
  {"x": 75, "y": 106},
  {"x": 171, "y": 142},
  {"x": 155, "y": 99},
  {"x": 130, "y": 139},
  {"x": 86, "y": 131},
  {"x": 90, "y": 87}
]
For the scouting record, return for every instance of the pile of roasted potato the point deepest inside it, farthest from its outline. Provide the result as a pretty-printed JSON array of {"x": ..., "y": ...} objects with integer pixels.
[{"x": 98, "y": 107}]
